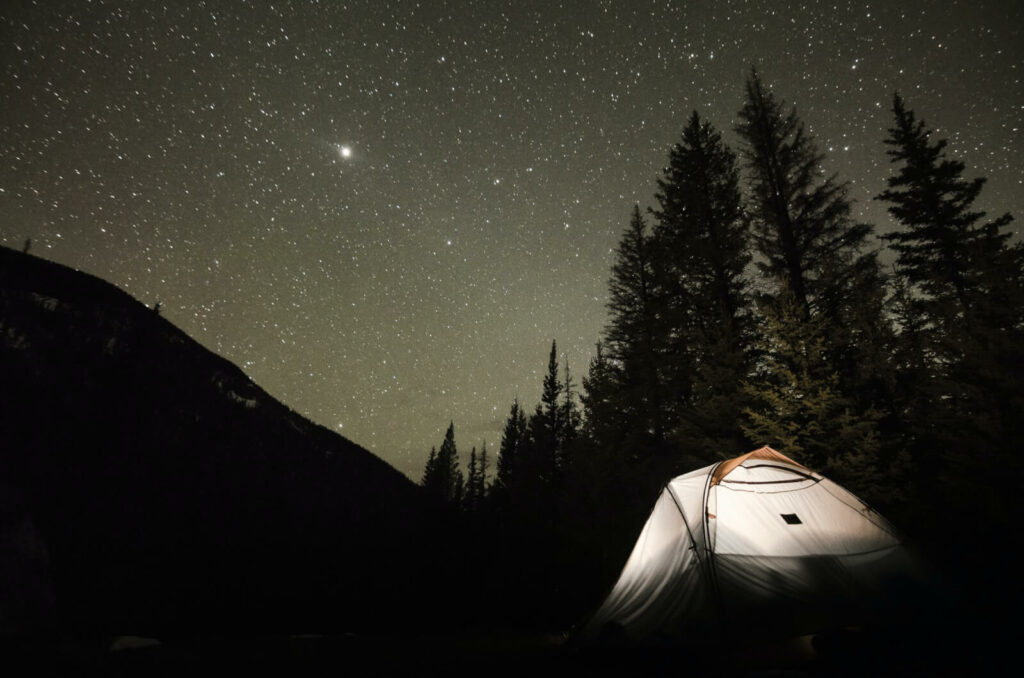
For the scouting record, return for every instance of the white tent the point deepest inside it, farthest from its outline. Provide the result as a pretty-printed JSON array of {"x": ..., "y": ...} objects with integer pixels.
[{"x": 755, "y": 543}]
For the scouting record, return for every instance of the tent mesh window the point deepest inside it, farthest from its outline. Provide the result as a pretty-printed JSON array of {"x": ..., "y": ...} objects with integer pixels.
[{"x": 791, "y": 518}]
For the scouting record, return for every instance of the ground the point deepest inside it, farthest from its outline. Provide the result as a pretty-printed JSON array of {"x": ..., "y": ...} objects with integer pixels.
[{"x": 848, "y": 653}]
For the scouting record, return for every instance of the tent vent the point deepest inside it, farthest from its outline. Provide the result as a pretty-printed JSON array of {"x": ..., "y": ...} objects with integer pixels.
[{"x": 791, "y": 519}]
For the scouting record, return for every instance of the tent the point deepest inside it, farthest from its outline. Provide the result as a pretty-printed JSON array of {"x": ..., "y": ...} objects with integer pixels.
[{"x": 757, "y": 543}]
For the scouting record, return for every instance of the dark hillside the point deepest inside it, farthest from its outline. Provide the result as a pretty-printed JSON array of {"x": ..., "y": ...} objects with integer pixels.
[{"x": 150, "y": 487}]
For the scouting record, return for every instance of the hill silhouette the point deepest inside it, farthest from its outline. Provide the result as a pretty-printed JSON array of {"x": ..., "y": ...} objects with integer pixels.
[{"x": 148, "y": 486}]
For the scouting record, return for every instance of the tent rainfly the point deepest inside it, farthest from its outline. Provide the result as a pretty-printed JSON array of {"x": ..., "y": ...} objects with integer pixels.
[{"x": 756, "y": 543}]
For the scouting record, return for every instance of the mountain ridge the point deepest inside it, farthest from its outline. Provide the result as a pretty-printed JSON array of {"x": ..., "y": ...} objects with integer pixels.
[
  {"x": 62, "y": 284},
  {"x": 171, "y": 490}
]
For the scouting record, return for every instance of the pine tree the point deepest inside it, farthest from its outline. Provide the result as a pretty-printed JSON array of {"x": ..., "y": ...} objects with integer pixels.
[
  {"x": 806, "y": 240},
  {"x": 633, "y": 336},
  {"x": 476, "y": 480},
  {"x": 961, "y": 294},
  {"x": 799, "y": 408},
  {"x": 513, "y": 442},
  {"x": 547, "y": 423},
  {"x": 458, "y": 492},
  {"x": 801, "y": 222},
  {"x": 701, "y": 235},
  {"x": 943, "y": 247},
  {"x": 599, "y": 399},
  {"x": 539, "y": 464},
  {"x": 472, "y": 500},
  {"x": 442, "y": 477},
  {"x": 963, "y": 278},
  {"x": 483, "y": 465},
  {"x": 569, "y": 415},
  {"x": 701, "y": 225},
  {"x": 430, "y": 475}
]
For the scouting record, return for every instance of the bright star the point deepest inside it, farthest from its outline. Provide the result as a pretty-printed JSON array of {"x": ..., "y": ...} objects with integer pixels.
[{"x": 345, "y": 151}]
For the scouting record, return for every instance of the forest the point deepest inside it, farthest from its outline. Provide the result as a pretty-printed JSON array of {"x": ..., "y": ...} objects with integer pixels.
[{"x": 748, "y": 307}]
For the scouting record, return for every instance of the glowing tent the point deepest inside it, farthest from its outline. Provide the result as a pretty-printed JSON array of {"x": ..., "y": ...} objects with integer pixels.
[{"x": 755, "y": 543}]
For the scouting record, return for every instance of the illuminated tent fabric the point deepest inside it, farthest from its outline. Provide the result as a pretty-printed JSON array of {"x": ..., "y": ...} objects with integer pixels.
[{"x": 755, "y": 543}]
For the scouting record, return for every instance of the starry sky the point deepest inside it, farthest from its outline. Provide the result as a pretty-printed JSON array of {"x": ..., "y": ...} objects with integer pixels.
[{"x": 384, "y": 211}]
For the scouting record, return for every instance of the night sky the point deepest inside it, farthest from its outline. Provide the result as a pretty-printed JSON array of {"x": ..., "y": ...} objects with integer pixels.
[{"x": 384, "y": 212}]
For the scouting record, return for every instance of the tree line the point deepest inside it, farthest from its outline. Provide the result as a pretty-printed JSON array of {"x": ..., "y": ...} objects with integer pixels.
[{"x": 749, "y": 307}]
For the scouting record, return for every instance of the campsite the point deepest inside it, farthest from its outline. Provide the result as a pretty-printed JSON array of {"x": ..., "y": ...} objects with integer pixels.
[
  {"x": 757, "y": 561},
  {"x": 490, "y": 337}
]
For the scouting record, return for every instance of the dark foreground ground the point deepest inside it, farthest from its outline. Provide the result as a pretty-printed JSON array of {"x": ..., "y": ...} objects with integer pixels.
[{"x": 845, "y": 653}]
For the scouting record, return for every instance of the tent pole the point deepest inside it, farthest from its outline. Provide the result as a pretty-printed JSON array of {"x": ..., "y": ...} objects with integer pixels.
[{"x": 711, "y": 571}]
